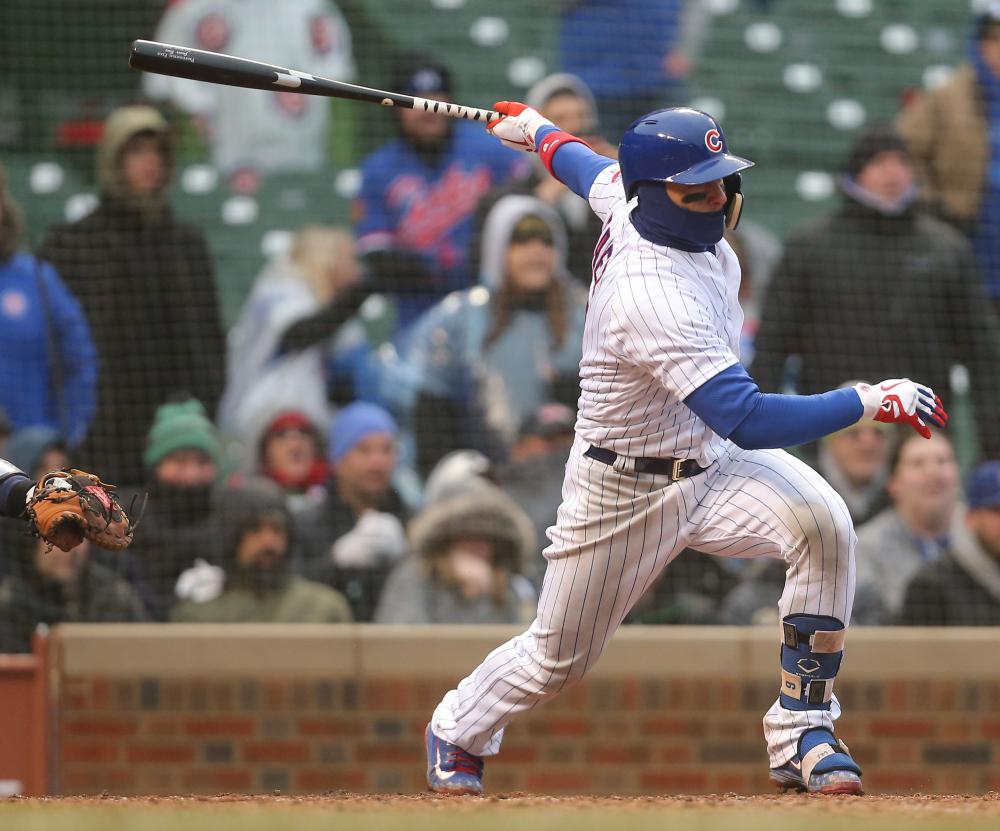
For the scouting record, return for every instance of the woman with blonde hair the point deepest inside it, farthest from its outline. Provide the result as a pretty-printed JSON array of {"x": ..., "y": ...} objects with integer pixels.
[{"x": 276, "y": 350}]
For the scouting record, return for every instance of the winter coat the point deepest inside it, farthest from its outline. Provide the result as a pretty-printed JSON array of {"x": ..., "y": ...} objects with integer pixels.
[
  {"x": 948, "y": 137},
  {"x": 48, "y": 362},
  {"x": 960, "y": 589},
  {"x": 862, "y": 296},
  {"x": 259, "y": 381},
  {"x": 319, "y": 529},
  {"x": 495, "y": 387},
  {"x": 414, "y": 595},
  {"x": 173, "y": 533},
  {"x": 98, "y": 596},
  {"x": 146, "y": 283},
  {"x": 888, "y": 557},
  {"x": 296, "y": 601}
]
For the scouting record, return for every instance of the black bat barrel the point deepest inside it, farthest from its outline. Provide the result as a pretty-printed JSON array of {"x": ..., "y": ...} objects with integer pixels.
[{"x": 216, "y": 68}]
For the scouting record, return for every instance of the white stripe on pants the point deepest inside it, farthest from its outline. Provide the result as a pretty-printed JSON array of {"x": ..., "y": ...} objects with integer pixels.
[{"x": 615, "y": 534}]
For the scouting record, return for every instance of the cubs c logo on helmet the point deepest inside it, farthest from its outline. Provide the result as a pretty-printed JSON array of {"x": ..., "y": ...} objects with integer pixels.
[{"x": 713, "y": 140}]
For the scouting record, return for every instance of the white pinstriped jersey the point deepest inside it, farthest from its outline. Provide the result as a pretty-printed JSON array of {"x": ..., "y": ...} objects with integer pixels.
[{"x": 661, "y": 322}]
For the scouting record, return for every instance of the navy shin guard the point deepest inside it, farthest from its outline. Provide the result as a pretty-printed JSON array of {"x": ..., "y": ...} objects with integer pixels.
[{"x": 811, "y": 651}]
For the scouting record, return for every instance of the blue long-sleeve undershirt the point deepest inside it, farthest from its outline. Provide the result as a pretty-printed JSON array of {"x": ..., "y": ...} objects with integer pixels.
[
  {"x": 735, "y": 408},
  {"x": 574, "y": 164}
]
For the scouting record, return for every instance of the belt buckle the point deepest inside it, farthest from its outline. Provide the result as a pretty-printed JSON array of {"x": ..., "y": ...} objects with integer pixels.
[{"x": 676, "y": 472}]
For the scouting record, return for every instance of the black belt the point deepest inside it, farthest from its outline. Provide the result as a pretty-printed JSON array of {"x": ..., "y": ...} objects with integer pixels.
[{"x": 674, "y": 468}]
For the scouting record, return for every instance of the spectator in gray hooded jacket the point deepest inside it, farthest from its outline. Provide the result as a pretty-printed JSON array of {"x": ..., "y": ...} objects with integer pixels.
[{"x": 484, "y": 359}]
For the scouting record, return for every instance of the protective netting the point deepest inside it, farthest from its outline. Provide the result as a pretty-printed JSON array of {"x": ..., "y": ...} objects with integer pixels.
[{"x": 212, "y": 287}]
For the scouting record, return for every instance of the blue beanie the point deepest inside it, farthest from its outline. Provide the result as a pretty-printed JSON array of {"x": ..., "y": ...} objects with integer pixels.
[
  {"x": 356, "y": 421},
  {"x": 983, "y": 488}
]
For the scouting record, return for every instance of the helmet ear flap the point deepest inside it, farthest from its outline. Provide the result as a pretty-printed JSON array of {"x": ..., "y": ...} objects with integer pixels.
[{"x": 733, "y": 184}]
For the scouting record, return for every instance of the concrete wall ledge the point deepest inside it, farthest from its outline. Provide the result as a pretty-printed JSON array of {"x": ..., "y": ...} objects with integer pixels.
[{"x": 414, "y": 652}]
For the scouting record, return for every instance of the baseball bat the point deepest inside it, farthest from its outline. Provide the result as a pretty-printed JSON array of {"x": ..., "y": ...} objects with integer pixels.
[{"x": 216, "y": 68}]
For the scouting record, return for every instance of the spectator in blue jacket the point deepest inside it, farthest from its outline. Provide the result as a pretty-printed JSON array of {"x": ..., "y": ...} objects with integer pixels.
[{"x": 48, "y": 363}]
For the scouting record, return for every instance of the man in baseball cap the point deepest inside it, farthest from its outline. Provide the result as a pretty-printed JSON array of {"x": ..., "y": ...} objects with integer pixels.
[{"x": 415, "y": 211}]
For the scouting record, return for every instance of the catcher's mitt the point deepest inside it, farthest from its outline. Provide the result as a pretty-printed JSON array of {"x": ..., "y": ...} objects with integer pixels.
[{"x": 67, "y": 506}]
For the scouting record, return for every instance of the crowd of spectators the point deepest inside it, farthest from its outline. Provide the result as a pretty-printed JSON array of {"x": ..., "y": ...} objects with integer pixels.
[{"x": 298, "y": 472}]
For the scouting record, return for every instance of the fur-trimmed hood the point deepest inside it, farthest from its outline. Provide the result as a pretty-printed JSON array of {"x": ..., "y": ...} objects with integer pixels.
[{"x": 481, "y": 510}]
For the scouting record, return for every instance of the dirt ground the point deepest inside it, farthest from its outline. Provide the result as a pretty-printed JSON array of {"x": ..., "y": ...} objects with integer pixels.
[
  {"x": 988, "y": 803},
  {"x": 511, "y": 812}
]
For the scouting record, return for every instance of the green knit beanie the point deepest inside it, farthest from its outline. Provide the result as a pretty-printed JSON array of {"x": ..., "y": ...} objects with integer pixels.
[{"x": 181, "y": 426}]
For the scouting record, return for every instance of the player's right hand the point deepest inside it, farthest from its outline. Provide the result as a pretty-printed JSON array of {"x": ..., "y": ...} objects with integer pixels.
[
  {"x": 517, "y": 125},
  {"x": 902, "y": 401}
]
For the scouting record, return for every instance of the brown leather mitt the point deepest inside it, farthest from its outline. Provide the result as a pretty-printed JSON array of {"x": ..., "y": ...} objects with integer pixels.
[{"x": 68, "y": 506}]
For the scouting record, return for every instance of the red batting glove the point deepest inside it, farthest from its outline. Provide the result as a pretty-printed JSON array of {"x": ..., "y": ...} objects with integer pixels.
[
  {"x": 517, "y": 125},
  {"x": 901, "y": 401}
]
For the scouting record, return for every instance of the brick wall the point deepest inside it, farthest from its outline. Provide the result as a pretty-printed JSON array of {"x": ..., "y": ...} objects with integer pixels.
[{"x": 313, "y": 709}]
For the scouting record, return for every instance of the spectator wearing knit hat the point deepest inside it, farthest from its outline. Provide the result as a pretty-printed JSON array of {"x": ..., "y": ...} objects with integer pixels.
[
  {"x": 290, "y": 453},
  {"x": 355, "y": 535},
  {"x": 879, "y": 286},
  {"x": 255, "y": 536},
  {"x": 182, "y": 460}
]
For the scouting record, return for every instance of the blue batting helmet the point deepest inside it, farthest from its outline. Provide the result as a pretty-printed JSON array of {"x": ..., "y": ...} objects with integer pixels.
[{"x": 680, "y": 145}]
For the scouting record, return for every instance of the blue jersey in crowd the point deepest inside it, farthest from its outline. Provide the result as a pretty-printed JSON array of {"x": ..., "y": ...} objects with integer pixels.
[
  {"x": 39, "y": 316},
  {"x": 408, "y": 205},
  {"x": 617, "y": 48}
]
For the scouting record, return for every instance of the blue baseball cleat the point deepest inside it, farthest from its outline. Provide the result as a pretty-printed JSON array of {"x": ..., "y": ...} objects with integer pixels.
[
  {"x": 451, "y": 770},
  {"x": 823, "y": 765}
]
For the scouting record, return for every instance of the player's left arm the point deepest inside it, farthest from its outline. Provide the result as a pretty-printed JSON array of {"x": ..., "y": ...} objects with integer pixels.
[
  {"x": 14, "y": 487},
  {"x": 735, "y": 408},
  {"x": 576, "y": 165}
]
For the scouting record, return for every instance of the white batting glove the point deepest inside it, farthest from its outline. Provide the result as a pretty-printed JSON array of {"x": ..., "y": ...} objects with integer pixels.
[
  {"x": 517, "y": 125},
  {"x": 902, "y": 401}
]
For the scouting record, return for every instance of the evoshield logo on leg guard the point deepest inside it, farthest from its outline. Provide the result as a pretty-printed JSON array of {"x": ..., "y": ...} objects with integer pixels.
[{"x": 807, "y": 665}]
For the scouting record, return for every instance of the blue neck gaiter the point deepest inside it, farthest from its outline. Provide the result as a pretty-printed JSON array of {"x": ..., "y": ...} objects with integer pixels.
[{"x": 661, "y": 221}]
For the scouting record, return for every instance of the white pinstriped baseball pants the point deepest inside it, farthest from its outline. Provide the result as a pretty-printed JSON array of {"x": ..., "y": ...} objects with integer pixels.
[{"x": 615, "y": 534}]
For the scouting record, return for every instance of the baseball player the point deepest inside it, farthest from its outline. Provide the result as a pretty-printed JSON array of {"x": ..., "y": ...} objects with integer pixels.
[
  {"x": 64, "y": 507},
  {"x": 676, "y": 448}
]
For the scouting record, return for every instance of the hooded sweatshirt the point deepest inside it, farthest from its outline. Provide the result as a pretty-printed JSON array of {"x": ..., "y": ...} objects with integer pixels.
[
  {"x": 145, "y": 281},
  {"x": 583, "y": 226},
  {"x": 515, "y": 374}
]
